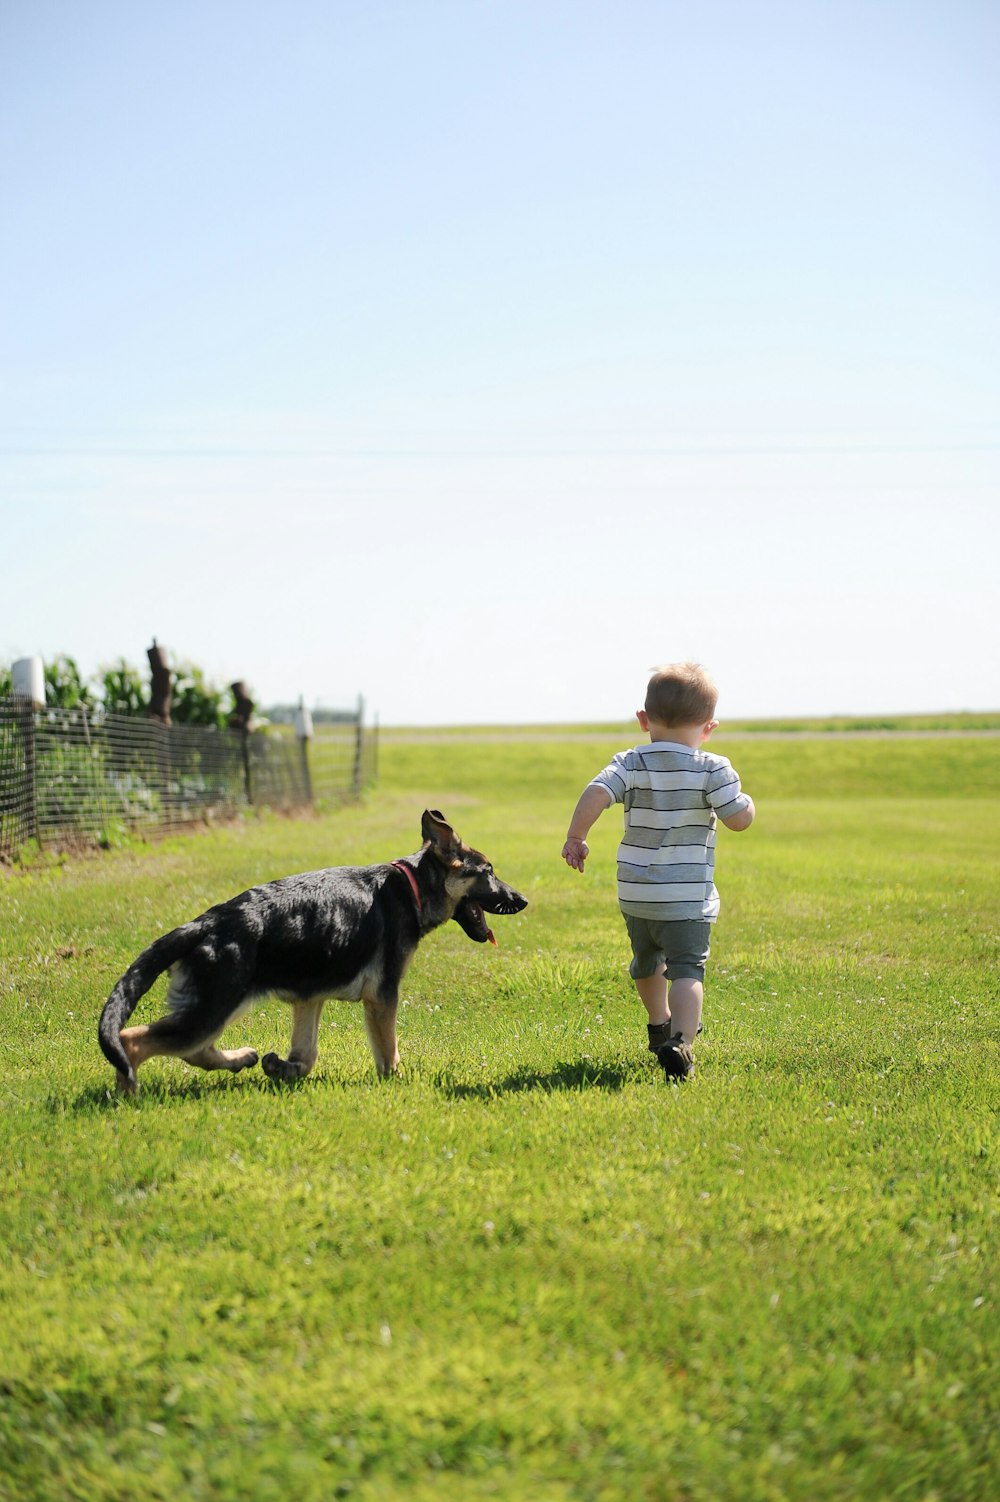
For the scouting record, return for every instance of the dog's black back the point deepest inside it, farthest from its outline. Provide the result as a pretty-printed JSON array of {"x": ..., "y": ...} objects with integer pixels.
[{"x": 347, "y": 931}]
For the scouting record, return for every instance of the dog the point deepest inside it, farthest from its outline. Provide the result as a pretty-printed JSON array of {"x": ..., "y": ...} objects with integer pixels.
[{"x": 347, "y": 932}]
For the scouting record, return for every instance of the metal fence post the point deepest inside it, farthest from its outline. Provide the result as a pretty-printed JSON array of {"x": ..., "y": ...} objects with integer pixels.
[
  {"x": 27, "y": 676},
  {"x": 244, "y": 735},
  {"x": 31, "y": 771},
  {"x": 303, "y": 733},
  {"x": 359, "y": 747}
]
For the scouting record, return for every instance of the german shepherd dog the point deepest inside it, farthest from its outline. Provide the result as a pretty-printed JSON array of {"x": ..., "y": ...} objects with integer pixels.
[{"x": 346, "y": 932}]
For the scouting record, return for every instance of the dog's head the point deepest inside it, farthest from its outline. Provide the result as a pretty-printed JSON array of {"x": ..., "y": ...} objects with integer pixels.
[{"x": 470, "y": 880}]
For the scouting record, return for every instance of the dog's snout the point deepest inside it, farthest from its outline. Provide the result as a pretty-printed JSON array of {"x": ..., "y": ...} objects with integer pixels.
[
  {"x": 512, "y": 902},
  {"x": 501, "y": 899}
]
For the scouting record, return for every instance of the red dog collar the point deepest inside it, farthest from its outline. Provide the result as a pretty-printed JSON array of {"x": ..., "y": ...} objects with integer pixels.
[{"x": 408, "y": 873}]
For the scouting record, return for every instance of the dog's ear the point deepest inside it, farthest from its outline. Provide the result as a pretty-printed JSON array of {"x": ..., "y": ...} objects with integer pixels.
[{"x": 440, "y": 836}]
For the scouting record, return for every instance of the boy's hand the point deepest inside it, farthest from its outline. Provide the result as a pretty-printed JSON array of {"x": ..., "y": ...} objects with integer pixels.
[
  {"x": 593, "y": 801},
  {"x": 575, "y": 853}
]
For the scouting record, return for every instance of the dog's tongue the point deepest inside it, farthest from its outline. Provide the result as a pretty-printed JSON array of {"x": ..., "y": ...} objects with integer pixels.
[{"x": 489, "y": 935}]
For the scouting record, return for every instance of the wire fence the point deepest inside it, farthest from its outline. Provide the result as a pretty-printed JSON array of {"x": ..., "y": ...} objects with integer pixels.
[{"x": 68, "y": 777}]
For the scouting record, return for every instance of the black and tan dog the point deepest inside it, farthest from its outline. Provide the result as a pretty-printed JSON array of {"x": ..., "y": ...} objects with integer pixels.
[{"x": 346, "y": 932}]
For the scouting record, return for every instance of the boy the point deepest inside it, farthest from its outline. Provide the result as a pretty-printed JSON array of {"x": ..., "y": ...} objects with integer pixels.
[{"x": 672, "y": 792}]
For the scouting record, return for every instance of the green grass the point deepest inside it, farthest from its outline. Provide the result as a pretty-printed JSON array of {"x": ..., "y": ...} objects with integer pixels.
[
  {"x": 529, "y": 1267},
  {"x": 964, "y": 721}
]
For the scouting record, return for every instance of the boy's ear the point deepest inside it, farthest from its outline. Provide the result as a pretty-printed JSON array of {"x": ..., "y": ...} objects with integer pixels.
[
  {"x": 643, "y": 719},
  {"x": 439, "y": 834}
]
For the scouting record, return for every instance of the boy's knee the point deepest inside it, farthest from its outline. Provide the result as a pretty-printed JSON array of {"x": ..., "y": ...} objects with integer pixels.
[{"x": 685, "y": 970}]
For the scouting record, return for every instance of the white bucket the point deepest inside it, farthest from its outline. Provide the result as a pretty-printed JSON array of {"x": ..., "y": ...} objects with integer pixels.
[
  {"x": 28, "y": 680},
  {"x": 303, "y": 723}
]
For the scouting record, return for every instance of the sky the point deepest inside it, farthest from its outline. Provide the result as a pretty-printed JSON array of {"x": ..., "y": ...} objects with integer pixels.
[{"x": 476, "y": 357}]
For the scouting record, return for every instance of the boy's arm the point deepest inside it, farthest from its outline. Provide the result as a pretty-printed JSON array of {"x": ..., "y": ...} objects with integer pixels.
[
  {"x": 593, "y": 801},
  {"x": 744, "y": 818}
]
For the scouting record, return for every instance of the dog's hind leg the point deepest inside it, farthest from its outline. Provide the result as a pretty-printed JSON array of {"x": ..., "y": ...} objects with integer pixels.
[
  {"x": 163, "y": 1039},
  {"x": 305, "y": 1045},
  {"x": 380, "y": 1025},
  {"x": 192, "y": 1026},
  {"x": 233, "y": 1059}
]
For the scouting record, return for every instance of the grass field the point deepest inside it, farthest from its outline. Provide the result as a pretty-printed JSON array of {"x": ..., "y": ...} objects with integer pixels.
[{"x": 529, "y": 1267}]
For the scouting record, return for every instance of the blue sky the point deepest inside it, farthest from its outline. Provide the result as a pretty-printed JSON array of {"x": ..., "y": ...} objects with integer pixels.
[{"x": 475, "y": 357}]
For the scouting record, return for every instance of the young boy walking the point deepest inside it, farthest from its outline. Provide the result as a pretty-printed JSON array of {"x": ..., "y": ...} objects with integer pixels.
[{"x": 673, "y": 793}]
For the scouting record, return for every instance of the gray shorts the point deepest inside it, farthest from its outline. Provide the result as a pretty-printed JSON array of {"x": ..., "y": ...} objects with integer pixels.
[{"x": 682, "y": 946}]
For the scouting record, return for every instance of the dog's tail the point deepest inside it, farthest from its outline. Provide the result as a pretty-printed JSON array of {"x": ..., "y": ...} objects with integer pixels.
[{"x": 133, "y": 985}]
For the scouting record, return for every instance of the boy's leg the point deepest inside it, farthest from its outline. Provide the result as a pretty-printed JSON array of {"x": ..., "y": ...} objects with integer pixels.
[
  {"x": 673, "y": 1007},
  {"x": 686, "y": 996},
  {"x": 676, "y": 1007},
  {"x": 647, "y": 970},
  {"x": 686, "y": 945},
  {"x": 653, "y": 995},
  {"x": 652, "y": 991}
]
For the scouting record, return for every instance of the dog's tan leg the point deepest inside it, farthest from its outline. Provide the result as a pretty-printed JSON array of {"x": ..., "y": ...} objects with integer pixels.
[
  {"x": 196, "y": 1019},
  {"x": 305, "y": 1045},
  {"x": 380, "y": 1025},
  {"x": 233, "y": 1059},
  {"x": 160, "y": 1039},
  {"x": 146, "y": 1042}
]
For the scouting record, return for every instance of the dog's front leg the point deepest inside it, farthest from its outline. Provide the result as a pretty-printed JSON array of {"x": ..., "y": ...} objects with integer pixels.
[
  {"x": 305, "y": 1045},
  {"x": 380, "y": 1025}
]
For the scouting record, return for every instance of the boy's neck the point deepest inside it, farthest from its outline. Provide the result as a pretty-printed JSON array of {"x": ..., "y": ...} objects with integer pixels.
[{"x": 681, "y": 735}]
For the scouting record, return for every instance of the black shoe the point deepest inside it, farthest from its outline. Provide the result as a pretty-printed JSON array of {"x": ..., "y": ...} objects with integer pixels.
[
  {"x": 676, "y": 1058},
  {"x": 659, "y": 1033}
]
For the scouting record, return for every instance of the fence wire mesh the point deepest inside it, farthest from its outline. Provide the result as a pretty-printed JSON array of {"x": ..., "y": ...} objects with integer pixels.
[
  {"x": 68, "y": 777},
  {"x": 17, "y": 824}
]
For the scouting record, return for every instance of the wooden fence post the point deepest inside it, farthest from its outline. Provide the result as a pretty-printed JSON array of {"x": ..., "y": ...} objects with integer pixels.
[
  {"x": 239, "y": 720},
  {"x": 160, "y": 687}
]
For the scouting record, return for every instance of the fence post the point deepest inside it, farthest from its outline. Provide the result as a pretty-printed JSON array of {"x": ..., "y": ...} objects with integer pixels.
[
  {"x": 244, "y": 736},
  {"x": 160, "y": 685},
  {"x": 303, "y": 732},
  {"x": 28, "y": 682},
  {"x": 30, "y": 770},
  {"x": 240, "y": 720},
  {"x": 359, "y": 746}
]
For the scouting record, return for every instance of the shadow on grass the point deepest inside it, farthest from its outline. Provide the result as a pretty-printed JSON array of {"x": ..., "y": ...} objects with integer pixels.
[
  {"x": 188, "y": 1087},
  {"x": 575, "y": 1074}
]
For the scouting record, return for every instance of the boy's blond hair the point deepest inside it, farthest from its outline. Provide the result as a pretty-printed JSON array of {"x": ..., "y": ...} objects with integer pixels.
[{"x": 681, "y": 693}]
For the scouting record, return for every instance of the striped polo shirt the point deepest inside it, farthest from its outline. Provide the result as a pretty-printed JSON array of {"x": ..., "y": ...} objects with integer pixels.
[{"x": 672, "y": 796}]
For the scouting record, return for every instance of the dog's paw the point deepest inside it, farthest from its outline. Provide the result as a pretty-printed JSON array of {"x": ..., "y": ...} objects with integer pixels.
[{"x": 284, "y": 1070}]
